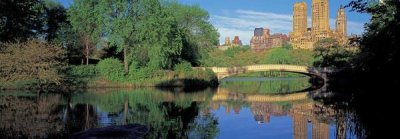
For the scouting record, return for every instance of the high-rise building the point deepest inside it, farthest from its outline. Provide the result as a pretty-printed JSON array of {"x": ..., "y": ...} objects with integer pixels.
[
  {"x": 299, "y": 18},
  {"x": 303, "y": 37},
  {"x": 320, "y": 16},
  {"x": 341, "y": 22}
]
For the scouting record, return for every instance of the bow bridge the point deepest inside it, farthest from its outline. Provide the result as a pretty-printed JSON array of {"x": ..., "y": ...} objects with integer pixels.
[{"x": 223, "y": 72}]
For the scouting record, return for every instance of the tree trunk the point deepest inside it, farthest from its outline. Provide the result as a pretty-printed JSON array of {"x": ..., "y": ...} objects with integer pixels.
[
  {"x": 126, "y": 59},
  {"x": 87, "y": 125},
  {"x": 87, "y": 53},
  {"x": 126, "y": 112}
]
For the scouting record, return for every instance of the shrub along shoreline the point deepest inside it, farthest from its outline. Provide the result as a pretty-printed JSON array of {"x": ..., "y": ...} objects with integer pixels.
[{"x": 109, "y": 75}]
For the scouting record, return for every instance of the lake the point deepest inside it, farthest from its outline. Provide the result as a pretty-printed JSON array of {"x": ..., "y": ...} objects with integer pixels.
[{"x": 241, "y": 107}]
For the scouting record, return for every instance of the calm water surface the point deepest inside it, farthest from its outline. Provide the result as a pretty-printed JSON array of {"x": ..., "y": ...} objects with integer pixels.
[{"x": 239, "y": 108}]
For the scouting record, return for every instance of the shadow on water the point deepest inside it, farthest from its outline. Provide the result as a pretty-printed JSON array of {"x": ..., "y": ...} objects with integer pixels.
[
  {"x": 367, "y": 101},
  {"x": 187, "y": 85}
]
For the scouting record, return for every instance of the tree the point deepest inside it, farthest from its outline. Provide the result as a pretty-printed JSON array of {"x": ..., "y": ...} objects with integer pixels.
[
  {"x": 20, "y": 19},
  {"x": 32, "y": 60},
  {"x": 122, "y": 20},
  {"x": 55, "y": 16},
  {"x": 70, "y": 40},
  {"x": 328, "y": 53},
  {"x": 85, "y": 19},
  {"x": 159, "y": 35},
  {"x": 198, "y": 34},
  {"x": 278, "y": 56},
  {"x": 379, "y": 45}
]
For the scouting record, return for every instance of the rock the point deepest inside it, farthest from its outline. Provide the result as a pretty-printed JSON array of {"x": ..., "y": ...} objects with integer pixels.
[{"x": 131, "y": 131}]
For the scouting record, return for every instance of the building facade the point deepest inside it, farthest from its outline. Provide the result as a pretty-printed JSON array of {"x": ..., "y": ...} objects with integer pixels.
[
  {"x": 262, "y": 39},
  {"x": 304, "y": 37},
  {"x": 236, "y": 42}
]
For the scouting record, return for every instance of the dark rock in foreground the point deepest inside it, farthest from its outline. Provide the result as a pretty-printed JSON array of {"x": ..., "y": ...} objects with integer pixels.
[{"x": 131, "y": 131}]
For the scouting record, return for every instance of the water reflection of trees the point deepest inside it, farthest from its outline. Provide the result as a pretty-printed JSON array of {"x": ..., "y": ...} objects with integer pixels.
[
  {"x": 267, "y": 86},
  {"x": 30, "y": 116},
  {"x": 169, "y": 115}
]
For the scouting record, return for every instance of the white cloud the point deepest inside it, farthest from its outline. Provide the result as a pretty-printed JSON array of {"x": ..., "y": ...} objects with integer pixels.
[
  {"x": 244, "y": 21},
  {"x": 265, "y": 14}
]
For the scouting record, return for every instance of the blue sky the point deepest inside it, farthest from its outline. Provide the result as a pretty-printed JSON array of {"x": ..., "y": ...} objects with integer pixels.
[{"x": 240, "y": 17}]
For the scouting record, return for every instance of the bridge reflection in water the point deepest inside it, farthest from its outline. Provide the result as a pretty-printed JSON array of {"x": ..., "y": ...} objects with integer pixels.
[
  {"x": 300, "y": 108},
  {"x": 160, "y": 110}
]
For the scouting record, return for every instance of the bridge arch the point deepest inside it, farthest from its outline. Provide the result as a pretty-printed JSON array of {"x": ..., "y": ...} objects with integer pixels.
[{"x": 223, "y": 72}]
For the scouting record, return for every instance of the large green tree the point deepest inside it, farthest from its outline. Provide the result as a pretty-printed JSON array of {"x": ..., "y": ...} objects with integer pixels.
[
  {"x": 328, "y": 53},
  {"x": 85, "y": 18},
  {"x": 154, "y": 33},
  {"x": 55, "y": 16},
  {"x": 379, "y": 45},
  {"x": 140, "y": 25},
  {"x": 198, "y": 34},
  {"x": 159, "y": 33},
  {"x": 71, "y": 41}
]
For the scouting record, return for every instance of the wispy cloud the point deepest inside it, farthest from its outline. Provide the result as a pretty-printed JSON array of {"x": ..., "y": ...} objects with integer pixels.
[{"x": 244, "y": 21}]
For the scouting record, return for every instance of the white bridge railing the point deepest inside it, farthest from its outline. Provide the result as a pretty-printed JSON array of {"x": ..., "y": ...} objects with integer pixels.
[{"x": 227, "y": 71}]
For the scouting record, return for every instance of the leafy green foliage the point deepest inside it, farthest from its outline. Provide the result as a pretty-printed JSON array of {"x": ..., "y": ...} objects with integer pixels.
[
  {"x": 302, "y": 57},
  {"x": 197, "y": 32},
  {"x": 279, "y": 56},
  {"x": 268, "y": 86},
  {"x": 24, "y": 19},
  {"x": 141, "y": 74},
  {"x": 328, "y": 53},
  {"x": 238, "y": 56},
  {"x": 112, "y": 69},
  {"x": 20, "y": 20},
  {"x": 84, "y": 71},
  {"x": 56, "y": 16},
  {"x": 150, "y": 107},
  {"x": 232, "y": 51},
  {"x": 85, "y": 20},
  {"x": 379, "y": 45},
  {"x": 69, "y": 39},
  {"x": 183, "y": 67},
  {"x": 287, "y": 45}
]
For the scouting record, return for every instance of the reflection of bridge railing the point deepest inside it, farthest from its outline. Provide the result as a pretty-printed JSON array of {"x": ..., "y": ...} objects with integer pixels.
[{"x": 224, "y": 95}]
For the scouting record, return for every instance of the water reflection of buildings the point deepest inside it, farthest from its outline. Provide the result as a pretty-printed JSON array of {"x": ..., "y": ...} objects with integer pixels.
[
  {"x": 303, "y": 112},
  {"x": 52, "y": 116}
]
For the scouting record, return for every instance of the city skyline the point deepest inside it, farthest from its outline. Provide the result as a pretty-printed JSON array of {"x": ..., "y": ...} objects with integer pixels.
[{"x": 240, "y": 17}]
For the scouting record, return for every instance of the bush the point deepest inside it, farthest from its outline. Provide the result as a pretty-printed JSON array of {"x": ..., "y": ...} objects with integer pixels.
[
  {"x": 278, "y": 56},
  {"x": 112, "y": 69},
  {"x": 83, "y": 71},
  {"x": 183, "y": 67},
  {"x": 140, "y": 74},
  {"x": 31, "y": 60}
]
